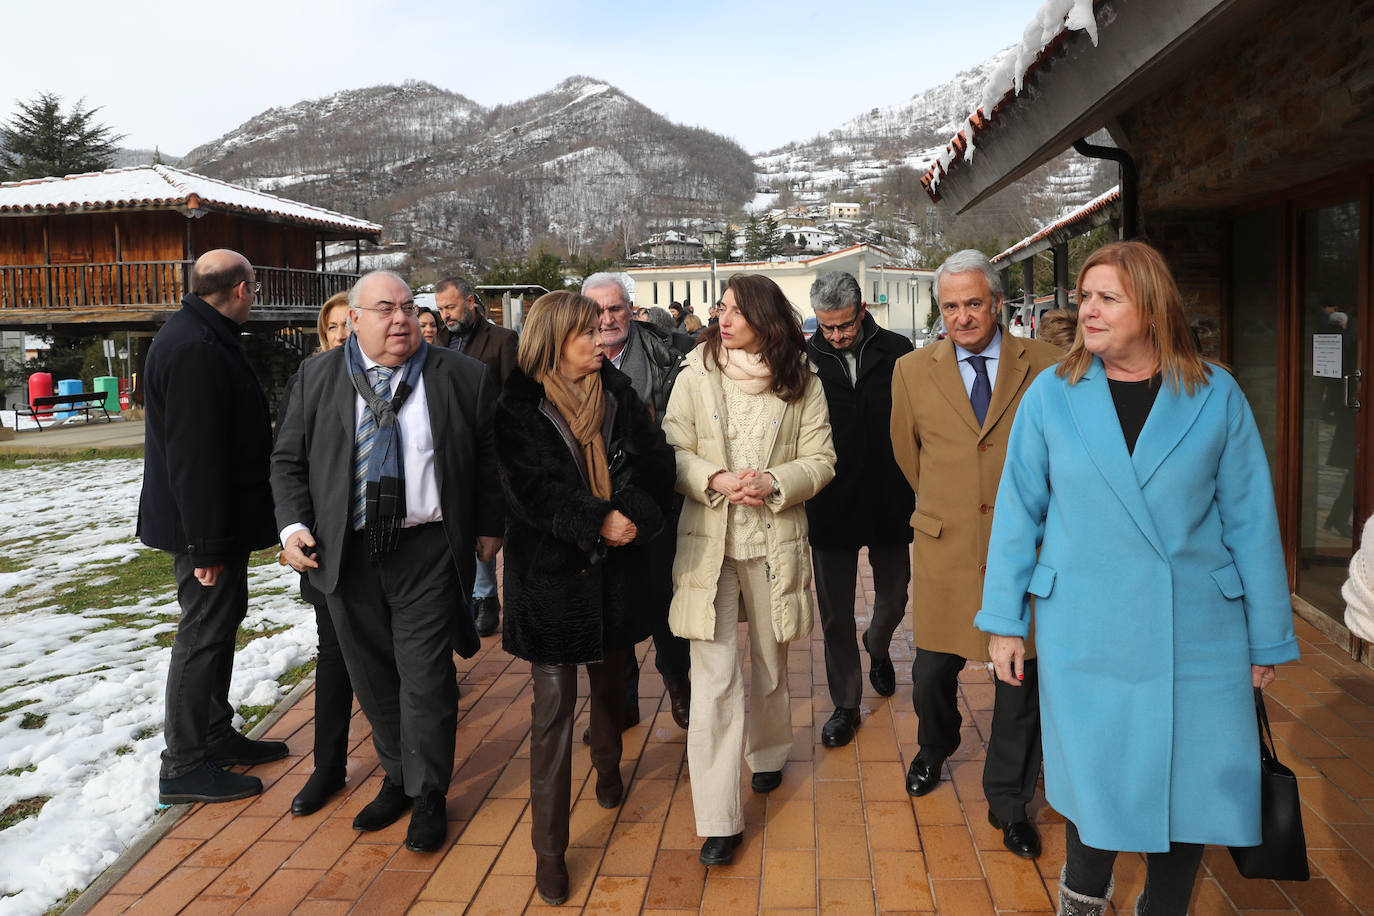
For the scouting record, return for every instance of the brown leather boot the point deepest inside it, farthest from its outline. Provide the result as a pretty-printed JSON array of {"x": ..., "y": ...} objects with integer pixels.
[{"x": 551, "y": 878}]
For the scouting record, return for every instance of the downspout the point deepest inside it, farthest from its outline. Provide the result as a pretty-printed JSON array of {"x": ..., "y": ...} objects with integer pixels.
[{"x": 1130, "y": 182}]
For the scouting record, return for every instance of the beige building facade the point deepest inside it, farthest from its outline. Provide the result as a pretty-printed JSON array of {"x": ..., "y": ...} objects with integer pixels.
[{"x": 899, "y": 297}]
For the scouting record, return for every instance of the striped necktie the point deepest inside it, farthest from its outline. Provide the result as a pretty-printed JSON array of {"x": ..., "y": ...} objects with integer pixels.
[{"x": 367, "y": 431}]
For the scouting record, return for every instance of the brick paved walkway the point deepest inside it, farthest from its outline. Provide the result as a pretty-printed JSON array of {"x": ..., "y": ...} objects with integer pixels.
[{"x": 839, "y": 836}]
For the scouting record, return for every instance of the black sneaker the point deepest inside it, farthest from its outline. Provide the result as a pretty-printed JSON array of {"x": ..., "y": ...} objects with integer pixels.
[
  {"x": 238, "y": 751},
  {"x": 207, "y": 783}
]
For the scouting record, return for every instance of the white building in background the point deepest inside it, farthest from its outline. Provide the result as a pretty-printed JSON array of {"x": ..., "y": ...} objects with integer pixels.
[
  {"x": 843, "y": 211},
  {"x": 899, "y": 297}
]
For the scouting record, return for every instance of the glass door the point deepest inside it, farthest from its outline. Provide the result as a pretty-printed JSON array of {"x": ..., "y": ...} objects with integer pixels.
[{"x": 1331, "y": 455}]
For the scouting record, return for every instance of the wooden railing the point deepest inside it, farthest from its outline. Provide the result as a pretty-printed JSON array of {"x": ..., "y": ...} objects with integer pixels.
[{"x": 148, "y": 283}]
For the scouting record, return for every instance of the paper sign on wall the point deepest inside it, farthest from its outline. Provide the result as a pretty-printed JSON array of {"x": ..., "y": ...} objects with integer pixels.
[{"x": 1326, "y": 355}]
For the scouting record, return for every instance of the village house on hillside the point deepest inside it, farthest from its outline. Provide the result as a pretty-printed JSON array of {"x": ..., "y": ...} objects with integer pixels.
[{"x": 1242, "y": 128}]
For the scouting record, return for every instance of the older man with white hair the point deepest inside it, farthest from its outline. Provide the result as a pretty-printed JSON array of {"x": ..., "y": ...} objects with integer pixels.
[
  {"x": 384, "y": 475},
  {"x": 952, "y": 408}
]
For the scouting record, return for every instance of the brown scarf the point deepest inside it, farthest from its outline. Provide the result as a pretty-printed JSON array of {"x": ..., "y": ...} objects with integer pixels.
[{"x": 584, "y": 408}]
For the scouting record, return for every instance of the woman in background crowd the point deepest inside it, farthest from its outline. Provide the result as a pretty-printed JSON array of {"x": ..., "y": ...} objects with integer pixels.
[
  {"x": 588, "y": 481},
  {"x": 432, "y": 327},
  {"x": 333, "y": 689},
  {"x": 748, "y": 421},
  {"x": 1136, "y": 510}
]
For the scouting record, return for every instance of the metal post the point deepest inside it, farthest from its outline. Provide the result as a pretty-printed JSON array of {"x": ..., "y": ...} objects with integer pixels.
[{"x": 1061, "y": 275}]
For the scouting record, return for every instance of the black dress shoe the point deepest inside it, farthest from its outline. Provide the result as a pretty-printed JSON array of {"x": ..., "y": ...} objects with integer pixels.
[
  {"x": 207, "y": 783},
  {"x": 551, "y": 879},
  {"x": 720, "y": 850},
  {"x": 428, "y": 822},
  {"x": 384, "y": 810},
  {"x": 236, "y": 750},
  {"x": 766, "y": 780},
  {"x": 839, "y": 729},
  {"x": 680, "y": 701},
  {"x": 923, "y": 776},
  {"x": 318, "y": 789},
  {"x": 609, "y": 789},
  {"x": 1020, "y": 837},
  {"x": 488, "y": 617},
  {"x": 880, "y": 673}
]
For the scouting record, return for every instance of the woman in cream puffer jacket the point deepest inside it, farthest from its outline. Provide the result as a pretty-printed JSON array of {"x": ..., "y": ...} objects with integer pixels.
[
  {"x": 1358, "y": 590},
  {"x": 748, "y": 422}
]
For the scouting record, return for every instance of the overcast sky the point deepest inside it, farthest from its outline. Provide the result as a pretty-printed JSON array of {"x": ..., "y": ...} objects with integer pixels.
[{"x": 765, "y": 73}]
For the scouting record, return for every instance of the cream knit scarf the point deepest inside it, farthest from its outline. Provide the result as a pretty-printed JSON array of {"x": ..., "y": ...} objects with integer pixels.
[{"x": 747, "y": 370}]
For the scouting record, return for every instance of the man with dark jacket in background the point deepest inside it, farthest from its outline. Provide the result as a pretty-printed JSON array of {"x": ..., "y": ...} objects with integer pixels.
[
  {"x": 868, "y": 504},
  {"x": 472, "y": 334},
  {"x": 207, "y": 501}
]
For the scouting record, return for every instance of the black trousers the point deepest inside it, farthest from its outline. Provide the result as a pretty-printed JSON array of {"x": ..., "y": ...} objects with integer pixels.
[
  {"x": 836, "y": 576},
  {"x": 197, "y": 698},
  {"x": 393, "y": 619},
  {"x": 551, "y": 727},
  {"x": 333, "y": 696},
  {"x": 1014, "y": 755},
  {"x": 1169, "y": 876}
]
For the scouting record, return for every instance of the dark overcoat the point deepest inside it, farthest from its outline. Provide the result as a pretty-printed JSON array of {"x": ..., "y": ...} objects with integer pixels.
[
  {"x": 869, "y": 503},
  {"x": 207, "y": 441},
  {"x": 312, "y": 463},
  {"x": 569, "y": 597}
]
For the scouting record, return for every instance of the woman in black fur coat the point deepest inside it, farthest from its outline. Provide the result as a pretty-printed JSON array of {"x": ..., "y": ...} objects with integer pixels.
[{"x": 588, "y": 480}]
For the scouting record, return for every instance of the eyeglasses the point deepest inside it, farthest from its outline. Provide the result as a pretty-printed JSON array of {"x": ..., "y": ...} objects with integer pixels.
[
  {"x": 387, "y": 309},
  {"x": 254, "y": 285},
  {"x": 849, "y": 325}
]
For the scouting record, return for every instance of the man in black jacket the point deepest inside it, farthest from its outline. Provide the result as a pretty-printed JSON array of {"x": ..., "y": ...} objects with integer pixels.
[
  {"x": 386, "y": 484},
  {"x": 472, "y": 334},
  {"x": 206, "y": 500},
  {"x": 868, "y": 504}
]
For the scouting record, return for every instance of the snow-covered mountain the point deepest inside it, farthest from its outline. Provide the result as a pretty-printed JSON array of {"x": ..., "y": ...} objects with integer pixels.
[
  {"x": 579, "y": 165},
  {"x": 878, "y": 157}
]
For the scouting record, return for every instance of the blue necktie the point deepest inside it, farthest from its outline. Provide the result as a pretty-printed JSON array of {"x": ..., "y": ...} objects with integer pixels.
[
  {"x": 367, "y": 431},
  {"x": 981, "y": 394}
]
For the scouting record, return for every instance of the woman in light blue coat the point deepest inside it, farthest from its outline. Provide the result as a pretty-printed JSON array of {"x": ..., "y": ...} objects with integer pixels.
[{"x": 1136, "y": 511}]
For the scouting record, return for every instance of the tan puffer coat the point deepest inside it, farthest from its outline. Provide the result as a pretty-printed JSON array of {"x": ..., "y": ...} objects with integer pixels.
[{"x": 801, "y": 458}]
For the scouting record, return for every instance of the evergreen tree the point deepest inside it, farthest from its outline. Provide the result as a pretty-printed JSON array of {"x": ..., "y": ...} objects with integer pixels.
[
  {"x": 40, "y": 141},
  {"x": 728, "y": 241},
  {"x": 754, "y": 241},
  {"x": 772, "y": 237}
]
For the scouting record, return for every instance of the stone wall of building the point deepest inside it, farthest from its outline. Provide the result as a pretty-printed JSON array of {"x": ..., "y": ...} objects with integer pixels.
[{"x": 1286, "y": 100}]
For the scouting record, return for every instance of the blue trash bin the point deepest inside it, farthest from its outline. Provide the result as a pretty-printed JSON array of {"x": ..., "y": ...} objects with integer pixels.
[{"x": 68, "y": 386}]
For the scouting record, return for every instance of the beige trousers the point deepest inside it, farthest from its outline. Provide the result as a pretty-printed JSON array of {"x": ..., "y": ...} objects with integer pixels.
[{"x": 717, "y": 733}]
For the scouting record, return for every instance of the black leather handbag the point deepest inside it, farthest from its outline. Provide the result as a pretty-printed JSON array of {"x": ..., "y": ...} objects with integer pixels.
[{"x": 1282, "y": 852}]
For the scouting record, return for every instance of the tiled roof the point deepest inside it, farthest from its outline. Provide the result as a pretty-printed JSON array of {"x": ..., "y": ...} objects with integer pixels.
[
  {"x": 160, "y": 187},
  {"x": 1100, "y": 202}
]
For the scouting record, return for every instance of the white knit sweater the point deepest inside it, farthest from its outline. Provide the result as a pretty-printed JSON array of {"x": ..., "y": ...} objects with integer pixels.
[{"x": 1358, "y": 590}]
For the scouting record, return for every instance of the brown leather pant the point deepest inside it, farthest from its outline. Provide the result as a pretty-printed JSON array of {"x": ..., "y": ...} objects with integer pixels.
[{"x": 551, "y": 736}]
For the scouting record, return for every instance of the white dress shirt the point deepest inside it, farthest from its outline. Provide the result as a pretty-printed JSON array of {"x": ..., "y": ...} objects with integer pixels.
[
  {"x": 417, "y": 443},
  {"x": 993, "y": 352}
]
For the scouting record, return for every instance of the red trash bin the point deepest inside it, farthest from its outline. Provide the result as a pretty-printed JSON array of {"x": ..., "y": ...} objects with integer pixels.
[{"x": 40, "y": 386}]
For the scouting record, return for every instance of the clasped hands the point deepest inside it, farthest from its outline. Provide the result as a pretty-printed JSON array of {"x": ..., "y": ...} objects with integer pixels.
[{"x": 748, "y": 487}]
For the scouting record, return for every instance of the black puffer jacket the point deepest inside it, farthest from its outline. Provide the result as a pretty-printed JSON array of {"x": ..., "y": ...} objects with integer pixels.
[
  {"x": 569, "y": 597},
  {"x": 869, "y": 503}
]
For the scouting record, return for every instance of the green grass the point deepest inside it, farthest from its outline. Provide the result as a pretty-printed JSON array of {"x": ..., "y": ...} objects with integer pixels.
[
  {"x": 21, "y": 810},
  {"x": 34, "y": 720},
  {"x": 60, "y": 906},
  {"x": 14, "y": 459},
  {"x": 19, "y": 771},
  {"x": 148, "y": 573},
  {"x": 6, "y": 710}
]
